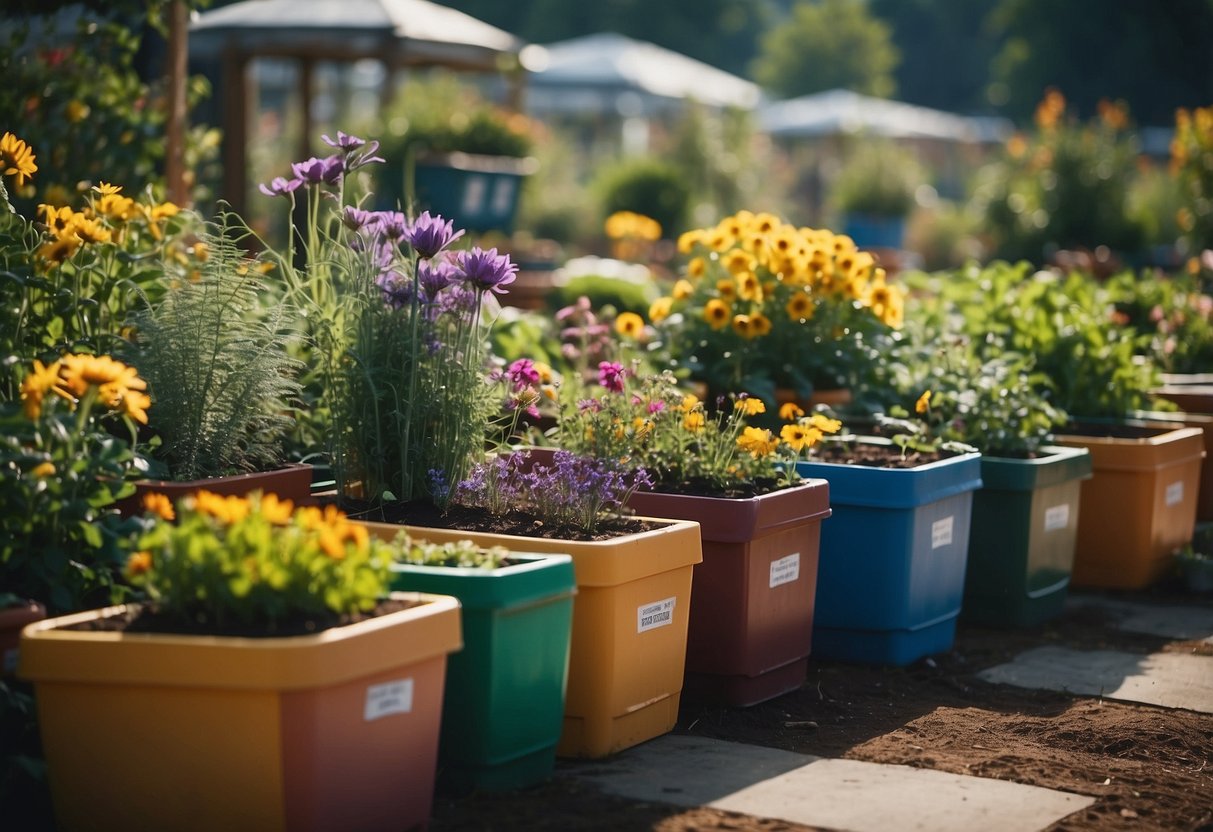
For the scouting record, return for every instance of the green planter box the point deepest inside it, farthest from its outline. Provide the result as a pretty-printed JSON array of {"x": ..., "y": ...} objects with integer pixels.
[
  {"x": 1021, "y": 543},
  {"x": 503, "y": 709}
]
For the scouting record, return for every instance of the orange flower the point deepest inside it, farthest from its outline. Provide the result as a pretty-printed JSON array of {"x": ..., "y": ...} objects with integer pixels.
[
  {"x": 159, "y": 505},
  {"x": 789, "y": 411},
  {"x": 139, "y": 563}
]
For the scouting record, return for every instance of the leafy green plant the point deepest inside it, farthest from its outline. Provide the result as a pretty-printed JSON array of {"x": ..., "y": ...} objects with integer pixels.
[
  {"x": 215, "y": 350},
  {"x": 879, "y": 180},
  {"x": 1175, "y": 312},
  {"x": 62, "y": 543},
  {"x": 457, "y": 553},
  {"x": 256, "y": 561},
  {"x": 648, "y": 186},
  {"x": 1097, "y": 367},
  {"x": 1192, "y": 166}
]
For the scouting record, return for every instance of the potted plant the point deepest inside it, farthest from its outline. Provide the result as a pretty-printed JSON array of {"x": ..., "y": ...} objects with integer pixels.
[
  {"x": 751, "y": 617},
  {"x": 400, "y": 316},
  {"x": 1139, "y": 506},
  {"x": 503, "y": 708},
  {"x": 214, "y": 349},
  {"x": 453, "y": 153},
  {"x": 891, "y": 576},
  {"x": 1025, "y": 515},
  {"x": 269, "y": 663},
  {"x": 874, "y": 193},
  {"x": 765, "y": 306}
]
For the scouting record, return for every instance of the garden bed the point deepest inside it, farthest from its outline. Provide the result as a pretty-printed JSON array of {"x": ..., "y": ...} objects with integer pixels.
[{"x": 1147, "y": 767}]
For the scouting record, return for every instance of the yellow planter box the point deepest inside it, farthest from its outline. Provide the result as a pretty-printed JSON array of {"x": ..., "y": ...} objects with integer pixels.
[
  {"x": 1139, "y": 507},
  {"x": 337, "y": 730},
  {"x": 629, "y": 637}
]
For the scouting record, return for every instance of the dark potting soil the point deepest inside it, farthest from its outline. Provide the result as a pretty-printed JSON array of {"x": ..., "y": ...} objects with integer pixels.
[
  {"x": 1114, "y": 431},
  {"x": 473, "y": 519},
  {"x": 876, "y": 456},
  {"x": 700, "y": 487},
  {"x": 146, "y": 619}
]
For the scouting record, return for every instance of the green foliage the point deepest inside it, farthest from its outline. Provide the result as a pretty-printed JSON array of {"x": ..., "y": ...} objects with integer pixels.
[
  {"x": 1174, "y": 312},
  {"x": 1192, "y": 166},
  {"x": 463, "y": 554},
  {"x": 879, "y": 179},
  {"x": 61, "y": 541},
  {"x": 825, "y": 45},
  {"x": 257, "y": 561},
  {"x": 1065, "y": 323},
  {"x": 648, "y": 186},
  {"x": 214, "y": 349},
  {"x": 620, "y": 294},
  {"x": 1066, "y": 186},
  {"x": 71, "y": 90}
]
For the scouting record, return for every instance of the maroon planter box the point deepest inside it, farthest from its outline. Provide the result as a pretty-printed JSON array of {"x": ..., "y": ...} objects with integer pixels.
[{"x": 752, "y": 597}]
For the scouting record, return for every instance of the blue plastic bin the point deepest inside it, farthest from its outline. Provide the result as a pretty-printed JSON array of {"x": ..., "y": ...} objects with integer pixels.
[{"x": 891, "y": 573}]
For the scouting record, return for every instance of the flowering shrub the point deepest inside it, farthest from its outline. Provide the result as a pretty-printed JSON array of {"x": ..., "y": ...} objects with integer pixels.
[
  {"x": 650, "y": 423},
  {"x": 764, "y": 304},
  {"x": 61, "y": 470},
  {"x": 256, "y": 561},
  {"x": 396, "y": 319},
  {"x": 76, "y": 276},
  {"x": 1175, "y": 312},
  {"x": 574, "y": 491},
  {"x": 1192, "y": 166}
]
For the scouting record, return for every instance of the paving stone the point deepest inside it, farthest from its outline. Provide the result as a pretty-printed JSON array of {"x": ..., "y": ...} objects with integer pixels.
[
  {"x": 1173, "y": 680},
  {"x": 835, "y": 794},
  {"x": 1182, "y": 623}
]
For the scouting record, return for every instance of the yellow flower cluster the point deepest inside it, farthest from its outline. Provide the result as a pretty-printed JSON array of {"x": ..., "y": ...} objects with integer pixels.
[
  {"x": 623, "y": 225},
  {"x": 759, "y": 268},
  {"x": 104, "y": 220},
  {"x": 73, "y": 377},
  {"x": 16, "y": 159}
]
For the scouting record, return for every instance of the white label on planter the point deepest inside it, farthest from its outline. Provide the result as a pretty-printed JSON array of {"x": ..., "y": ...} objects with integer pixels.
[
  {"x": 785, "y": 570},
  {"x": 388, "y": 698},
  {"x": 657, "y": 614},
  {"x": 941, "y": 532},
  {"x": 1175, "y": 493},
  {"x": 1057, "y": 517}
]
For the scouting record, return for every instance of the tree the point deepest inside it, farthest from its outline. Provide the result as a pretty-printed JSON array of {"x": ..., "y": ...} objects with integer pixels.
[
  {"x": 826, "y": 44},
  {"x": 1154, "y": 56}
]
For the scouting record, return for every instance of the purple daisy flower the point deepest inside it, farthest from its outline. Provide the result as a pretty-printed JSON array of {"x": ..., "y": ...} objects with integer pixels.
[
  {"x": 280, "y": 186},
  {"x": 487, "y": 270},
  {"x": 356, "y": 219},
  {"x": 434, "y": 276},
  {"x": 429, "y": 235},
  {"x": 391, "y": 224},
  {"x": 328, "y": 170}
]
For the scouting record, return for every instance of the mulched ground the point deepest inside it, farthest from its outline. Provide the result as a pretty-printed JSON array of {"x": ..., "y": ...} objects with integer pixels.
[{"x": 1150, "y": 768}]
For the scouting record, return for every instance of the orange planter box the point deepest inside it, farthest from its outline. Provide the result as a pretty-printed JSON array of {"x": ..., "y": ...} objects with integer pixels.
[
  {"x": 629, "y": 638},
  {"x": 337, "y": 730},
  {"x": 1139, "y": 507}
]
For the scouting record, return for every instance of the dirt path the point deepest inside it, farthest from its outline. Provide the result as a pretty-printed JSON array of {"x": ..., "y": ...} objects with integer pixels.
[{"x": 1150, "y": 768}]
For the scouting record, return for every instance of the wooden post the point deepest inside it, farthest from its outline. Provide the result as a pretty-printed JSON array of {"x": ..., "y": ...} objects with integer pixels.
[
  {"x": 174, "y": 162},
  {"x": 235, "y": 128}
]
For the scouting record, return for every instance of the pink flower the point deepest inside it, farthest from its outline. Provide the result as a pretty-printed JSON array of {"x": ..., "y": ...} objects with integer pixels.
[{"x": 611, "y": 375}]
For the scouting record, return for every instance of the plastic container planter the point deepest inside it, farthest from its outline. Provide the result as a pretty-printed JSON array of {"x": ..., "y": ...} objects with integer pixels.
[
  {"x": 751, "y": 625},
  {"x": 629, "y": 638},
  {"x": 337, "y": 730},
  {"x": 890, "y": 580},
  {"x": 504, "y": 704},
  {"x": 1139, "y": 507},
  {"x": 1021, "y": 545}
]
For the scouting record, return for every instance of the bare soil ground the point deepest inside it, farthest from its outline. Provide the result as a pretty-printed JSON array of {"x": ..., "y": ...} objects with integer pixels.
[{"x": 1149, "y": 768}]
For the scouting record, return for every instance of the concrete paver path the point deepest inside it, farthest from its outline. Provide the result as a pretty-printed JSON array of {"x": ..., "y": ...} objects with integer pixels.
[
  {"x": 1184, "y": 623},
  {"x": 838, "y": 794}
]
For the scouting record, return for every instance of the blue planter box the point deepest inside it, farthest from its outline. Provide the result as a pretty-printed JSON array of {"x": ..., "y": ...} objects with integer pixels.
[
  {"x": 875, "y": 232},
  {"x": 891, "y": 572}
]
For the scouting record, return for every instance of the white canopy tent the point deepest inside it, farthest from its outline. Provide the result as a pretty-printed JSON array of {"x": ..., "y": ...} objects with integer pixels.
[
  {"x": 397, "y": 33},
  {"x": 609, "y": 73},
  {"x": 837, "y": 112}
]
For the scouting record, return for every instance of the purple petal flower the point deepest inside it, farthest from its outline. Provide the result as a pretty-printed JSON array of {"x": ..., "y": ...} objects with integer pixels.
[
  {"x": 391, "y": 224},
  {"x": 344, "y": 142},
  {"x": 611, "y": 375},
  {"x": 487, "y": 270},
  {"x": 280, "y": 186},
  {"x": 328, "y": 170},
  {"x": 356, "y": 219},
  {"x": 434, "y": 276},
  {"x": 429, "y": 235},
  {"x": 522, "y": 373}
]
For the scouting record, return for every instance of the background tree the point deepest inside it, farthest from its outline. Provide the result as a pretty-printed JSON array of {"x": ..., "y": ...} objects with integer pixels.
[
  {"x": 826, "y": 44},
  {"x": 1154, "y": 56}
]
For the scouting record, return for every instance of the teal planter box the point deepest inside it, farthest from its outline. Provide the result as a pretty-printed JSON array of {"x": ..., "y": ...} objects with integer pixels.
[
  {"x": 503, "y": 709},
  {"x": 869, "y": 231},
  {"x": 1021, "y": 547},
  {"x": 891, "y": 571},
  {"x": 480, "y": 193}
]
